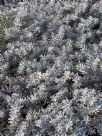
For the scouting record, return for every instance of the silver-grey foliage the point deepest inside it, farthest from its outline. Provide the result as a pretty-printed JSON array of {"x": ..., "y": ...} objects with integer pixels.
[{"x": 51, "y": 68}]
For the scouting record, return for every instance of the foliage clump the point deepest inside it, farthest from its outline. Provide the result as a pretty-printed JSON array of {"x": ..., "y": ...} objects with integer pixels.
[{"x": 51, "y": 68}]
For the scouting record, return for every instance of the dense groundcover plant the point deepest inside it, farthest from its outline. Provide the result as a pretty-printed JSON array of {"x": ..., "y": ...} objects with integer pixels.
[{"x": 51, "y": 68}]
